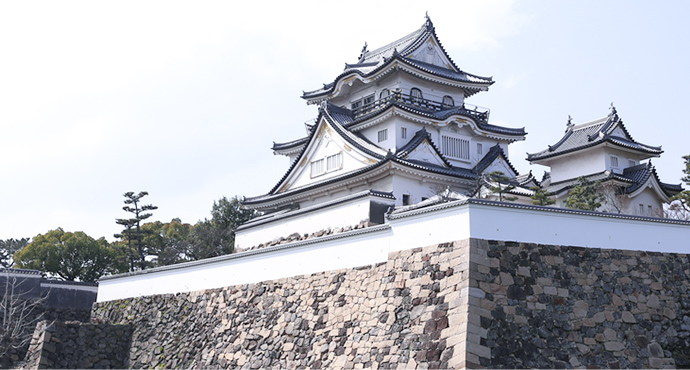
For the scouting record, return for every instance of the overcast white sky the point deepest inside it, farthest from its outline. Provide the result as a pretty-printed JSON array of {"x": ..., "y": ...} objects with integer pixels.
[{"x": 184, "y": 99}]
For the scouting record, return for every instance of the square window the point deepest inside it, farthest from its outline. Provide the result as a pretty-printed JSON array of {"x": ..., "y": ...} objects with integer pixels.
[
  {"x": 334, "y": 162},
  {"x": 368, "y": 100},
  {"x": 614, "y": 161},
  {"x": 383, "y": 135},
  {"x": 406, "y": 199},
  {"x": 317, "y": 168},
  {"x": 455, "y": 147}
]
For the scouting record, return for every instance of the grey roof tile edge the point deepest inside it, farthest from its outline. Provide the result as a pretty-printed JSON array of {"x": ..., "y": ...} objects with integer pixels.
[
  {"x": 317, "y": 207},
  {"x": 20, "y": 271},
  {"x": 602, "y": 134},
  {"x": 420, "y": 137},
  {"x": 328, "y": 88},
  {"x": 65, "y": 282},
  {"x": 539, "y": 208},
  {"x": 494, "y": 153},
  {"x": 253, "y": 252}
]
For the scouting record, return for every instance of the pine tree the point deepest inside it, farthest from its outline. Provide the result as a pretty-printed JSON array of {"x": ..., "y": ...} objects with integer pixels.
[
  {"x": 540, "y": 197},
  {"x": 584, "y": 196},
  {"x": 682, "y": 199},
  {"x": 133, "y": 232},
  {"x": 499, "y": 184}
]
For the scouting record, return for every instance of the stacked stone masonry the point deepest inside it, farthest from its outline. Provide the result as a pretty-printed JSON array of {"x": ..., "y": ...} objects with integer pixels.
[
  {"x": 471, "y": 303},
  {"x": 560, "y": 307},
  {"x": 77, "y": 345},
  {"x": 294, "y": 237},
  {"x": 401, "y": 313}
]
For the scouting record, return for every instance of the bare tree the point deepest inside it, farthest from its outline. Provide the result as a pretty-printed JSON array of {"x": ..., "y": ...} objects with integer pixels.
[
  {"x": 19, "y": 314},
  {"x": 613, "y": 197},
  {"x": 676, "y": 211}
]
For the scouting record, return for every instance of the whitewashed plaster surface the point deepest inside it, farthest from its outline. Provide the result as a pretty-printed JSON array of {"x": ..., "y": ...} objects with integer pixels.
[{"x": 448, "y": 222}]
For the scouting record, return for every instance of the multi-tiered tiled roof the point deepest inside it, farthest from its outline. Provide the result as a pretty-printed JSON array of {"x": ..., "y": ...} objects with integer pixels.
[
  {"x": 609, "y": 129},
  {"x": 396, "y": 55}
]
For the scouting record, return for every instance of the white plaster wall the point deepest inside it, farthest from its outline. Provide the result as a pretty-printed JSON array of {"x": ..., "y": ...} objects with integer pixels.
[
  {"x": 415, "y": 188},
  {"x": 327, "y": 143},
  {"x": 584, "y": 230},
  {"x": 371, "y": 133},
  {"x": 430, "y": 228},
  {"x": 573, "y": 166},
  {"x": 484, "y": 221},
  {"x": 647, "y": 197},
  {"x": 340, "y": 215},
  {"x": 430, "y": 90},
  {"x": 357, "y": 250}
]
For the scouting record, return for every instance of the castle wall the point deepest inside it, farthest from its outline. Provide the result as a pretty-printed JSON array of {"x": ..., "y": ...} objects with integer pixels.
[
  {"x": 458, "y": 220},
  {"x": 399, "y": 313},
  {"x": 466, "y": 303},
  {"x": 543, "y": 306}
]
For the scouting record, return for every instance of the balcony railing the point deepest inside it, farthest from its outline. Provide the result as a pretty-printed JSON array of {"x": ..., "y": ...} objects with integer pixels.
[{"x": 478, "y": 113}]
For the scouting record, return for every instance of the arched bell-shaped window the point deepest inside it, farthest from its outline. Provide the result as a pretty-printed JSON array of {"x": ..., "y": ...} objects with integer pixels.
[
  {"x": 385, "y": 93},
  {"x": 416, "y": 95},
  {"x": 448, "y": 101}
]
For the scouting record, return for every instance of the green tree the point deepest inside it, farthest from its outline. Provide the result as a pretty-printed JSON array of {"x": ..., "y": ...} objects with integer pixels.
[
  {"x": 132, "y": 232},
  {"x": 499, "y": 184},
  {"x": 8, "y": 248},
  {"x": 682, "y": 199},
  {"x": 168, "y": 242},
  {"x": 541, "y": 197},
  {"x": 216, "y": 237},
  {"x": 584, "y": 196},
  {"x": 71, "y": 256}
]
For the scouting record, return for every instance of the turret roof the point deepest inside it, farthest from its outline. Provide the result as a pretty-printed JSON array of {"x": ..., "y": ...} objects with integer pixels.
[
  {"x": 631, "y": 180},
  {"x": 347, "y": 119},
  {"x": 331, "y": 116},
  {"x": 494, "y": 153},
  {"x": 371, "y": 62},
  {"x": 589, "y": 134}
]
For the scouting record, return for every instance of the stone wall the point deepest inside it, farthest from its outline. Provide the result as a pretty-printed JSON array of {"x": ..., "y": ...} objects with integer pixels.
[
  {"x": 473, "y": 303},
  {"x": 31, "y": 317},
  {"x": 396, "y": 314},
  {"x": 76, "y": 345},
  {"x": 555, "y": 307}
]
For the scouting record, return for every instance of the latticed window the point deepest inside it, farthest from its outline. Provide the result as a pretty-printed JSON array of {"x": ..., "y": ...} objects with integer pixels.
[
  {"x": 334, "y": 162},
  {"x": 368, "y": 100},
  {"x": 383, "y": 135},
  {"x": 614, "y": 161},
  {"x": 416, "y": 95},
  {"x": 331, "y": 163},
  {"x": 403, "y": 132},
  {"x": 317, "y": 168},
  {"x": 448, "y": 101},
  {"x": 455, "y": 147}
]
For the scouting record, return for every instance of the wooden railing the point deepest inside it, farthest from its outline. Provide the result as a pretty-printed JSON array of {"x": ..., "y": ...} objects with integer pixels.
[{"x": 473, "y": 111}]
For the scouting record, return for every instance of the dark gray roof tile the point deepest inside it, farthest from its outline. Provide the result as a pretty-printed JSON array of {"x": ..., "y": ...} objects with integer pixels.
[{"x": 593, "y": 133}]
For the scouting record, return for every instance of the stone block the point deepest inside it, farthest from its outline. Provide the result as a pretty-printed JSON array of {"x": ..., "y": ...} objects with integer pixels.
[
  {"x": 628, "y": 317},
  {"x": 656, "y": 363},
  {"x": 614, "y": 346},
  {"x": 479, "y": 350}
]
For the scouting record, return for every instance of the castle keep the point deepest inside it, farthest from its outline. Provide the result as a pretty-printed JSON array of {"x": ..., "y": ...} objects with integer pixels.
[{"x": 383, "y": 246}]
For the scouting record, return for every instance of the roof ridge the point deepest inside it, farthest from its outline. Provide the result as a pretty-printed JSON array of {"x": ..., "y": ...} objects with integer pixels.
[{"x": 419, "y": 137}]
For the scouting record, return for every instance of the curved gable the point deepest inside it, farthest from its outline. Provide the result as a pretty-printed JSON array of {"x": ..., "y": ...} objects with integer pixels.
[{"x": 330, "y": 151}]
